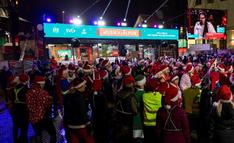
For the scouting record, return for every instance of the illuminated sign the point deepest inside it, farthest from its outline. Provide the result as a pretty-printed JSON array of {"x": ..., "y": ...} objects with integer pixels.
[
  {"x": 118, "y": 32},
  {"x": 215, "y": 36},
  {"x": 192, "y": 36},
  {"x": 220, "y": 29},
  {"x": 52, "y": 30}
]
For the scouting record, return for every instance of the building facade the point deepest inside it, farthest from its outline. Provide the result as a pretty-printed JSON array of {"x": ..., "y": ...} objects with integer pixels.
[{"x": 219, "y": 5}]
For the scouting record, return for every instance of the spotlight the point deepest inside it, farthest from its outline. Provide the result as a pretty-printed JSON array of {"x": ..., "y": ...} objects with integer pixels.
[
  {"x": 160, "y": 26},
  {"x": 101, "y": 22},
  {"x": 71, "y": 21},
  {"x": 48, "y": 20},
  {"x": 144, "y": 25}
]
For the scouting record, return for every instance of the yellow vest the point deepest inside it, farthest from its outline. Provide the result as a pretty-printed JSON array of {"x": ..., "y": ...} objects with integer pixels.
[{"x": 152, "y": 102}]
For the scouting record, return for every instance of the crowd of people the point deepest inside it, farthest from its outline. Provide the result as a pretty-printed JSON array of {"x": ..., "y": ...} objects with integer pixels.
[{"x": 183, "y": 100}]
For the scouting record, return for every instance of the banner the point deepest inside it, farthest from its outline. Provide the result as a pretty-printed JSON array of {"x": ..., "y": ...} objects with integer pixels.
[{"x": 108, "y": 32}]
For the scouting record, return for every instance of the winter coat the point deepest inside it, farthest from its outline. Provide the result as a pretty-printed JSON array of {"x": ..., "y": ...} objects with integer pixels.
[
  {"x": 38, "y": 102},
  {"x": 221, "y": 124},
  {"x": 172, "y": 125},
  {"x": 75, "y": 113}
]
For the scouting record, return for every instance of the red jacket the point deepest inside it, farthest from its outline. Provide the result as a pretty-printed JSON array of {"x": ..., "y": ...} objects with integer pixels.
[{"x": 38, "y": 102}]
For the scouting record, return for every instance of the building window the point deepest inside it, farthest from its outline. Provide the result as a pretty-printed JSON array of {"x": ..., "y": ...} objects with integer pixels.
[
  {"x": 210, "y": 1},
  {"x": 198, "y": 2}
]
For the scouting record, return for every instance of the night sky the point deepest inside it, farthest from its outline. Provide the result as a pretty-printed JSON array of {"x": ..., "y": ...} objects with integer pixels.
[{"x": 34, "y": 9}]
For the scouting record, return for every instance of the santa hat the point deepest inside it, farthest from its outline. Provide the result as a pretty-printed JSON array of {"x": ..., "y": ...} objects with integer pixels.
[
  {"x": 87, "y": 68},
  {"x": 128, "y": 80},
  {"x": 174, "y": 77},
  {"x": 140, "y": 80},
  {"x": 23, "y": 78},
  {"x": 103, "y": 74},
  {"x": 78, "y": 83},
  {"x": 126, "y": 70},
  {"x": 189, "y": 68},
  {"x": 105, "y": 63},
  {"x": 156, "y": 71},
  {"x": 153, "y": 84},
  {"x": 229, "y": 69},
  {"x": 172, "y": 94},
  {"x": 224, "y": 94},
  {"x": 39, "y": 80},
  {"x": 196, "y": 81},
  {"x": 221, "y": 67}
]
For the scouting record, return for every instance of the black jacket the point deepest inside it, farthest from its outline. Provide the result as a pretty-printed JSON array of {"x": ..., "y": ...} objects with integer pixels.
[
  {"x": 221, "y": 128},
  {"x": 75, "y": 113}
]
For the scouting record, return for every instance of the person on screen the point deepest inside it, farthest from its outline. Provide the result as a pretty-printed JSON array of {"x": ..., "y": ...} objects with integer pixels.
[{"x": 203, "y": 26}]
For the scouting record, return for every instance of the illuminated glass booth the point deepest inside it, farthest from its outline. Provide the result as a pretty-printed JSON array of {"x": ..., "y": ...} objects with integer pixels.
[{"x": 107, "y": 41}]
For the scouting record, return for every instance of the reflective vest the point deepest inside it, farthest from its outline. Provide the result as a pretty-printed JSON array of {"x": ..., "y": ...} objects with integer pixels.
[
  {"x": 152, "y": 102},
  {"x": 17, "y": 101}
]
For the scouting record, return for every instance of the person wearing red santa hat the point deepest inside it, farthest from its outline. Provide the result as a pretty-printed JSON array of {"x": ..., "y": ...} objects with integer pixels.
[
  {"x": 172, "y": 122},
  {"x": 138, "y": 134},
  {"x": 75, "y": 113},
  {"x": 71, "y": 72},
  {"x": 105, "y": 64},
  {"x": 162, "y": 75},
  {"x": 12, "y": 81},
  {"x": 99, "y": 106},
  {"x": 175, "y": 82},
  {"x": 223, "y": 76},
  {"x": 39, "y": 104},
  {"x": 126, "y": 70},
  {"x": 117, "y": 79},
  {"x": 88, "y": 72},
  {"x": 152, "y": 101},
  {"x": 20, "y": 112},
  {"x": 221, "y": 124},
  {"x": 125, "y": 109},
  {"x": 185, "y": 81},
  {"x": 192, "y": 96}
]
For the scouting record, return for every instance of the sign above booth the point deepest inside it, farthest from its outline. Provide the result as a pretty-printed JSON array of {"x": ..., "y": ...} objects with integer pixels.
[{"x": 56, "y": 30}]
